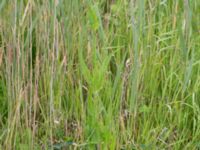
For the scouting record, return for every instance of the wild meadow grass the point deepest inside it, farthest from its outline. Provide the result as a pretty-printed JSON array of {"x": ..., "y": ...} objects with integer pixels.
[{"x": 99, "y": 74}]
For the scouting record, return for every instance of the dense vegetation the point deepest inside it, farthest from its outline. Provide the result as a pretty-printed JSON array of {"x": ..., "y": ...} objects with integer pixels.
[{"x": 99, "y": 74}]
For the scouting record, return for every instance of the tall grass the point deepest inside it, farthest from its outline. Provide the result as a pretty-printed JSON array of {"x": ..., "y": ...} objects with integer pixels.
[{"x": 99, "y": 74}]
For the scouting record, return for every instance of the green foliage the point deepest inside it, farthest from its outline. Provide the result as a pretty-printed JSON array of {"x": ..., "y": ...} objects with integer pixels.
[{"x": 99, "y": 74}]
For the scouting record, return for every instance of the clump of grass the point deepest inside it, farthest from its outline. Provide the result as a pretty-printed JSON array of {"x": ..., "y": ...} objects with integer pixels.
[{"x": 101, "y": 74}]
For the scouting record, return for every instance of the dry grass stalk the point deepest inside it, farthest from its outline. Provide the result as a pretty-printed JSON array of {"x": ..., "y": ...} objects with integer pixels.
[
  {"x": 124, "y": 112},
  {"x": 1, "y": 56}
]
